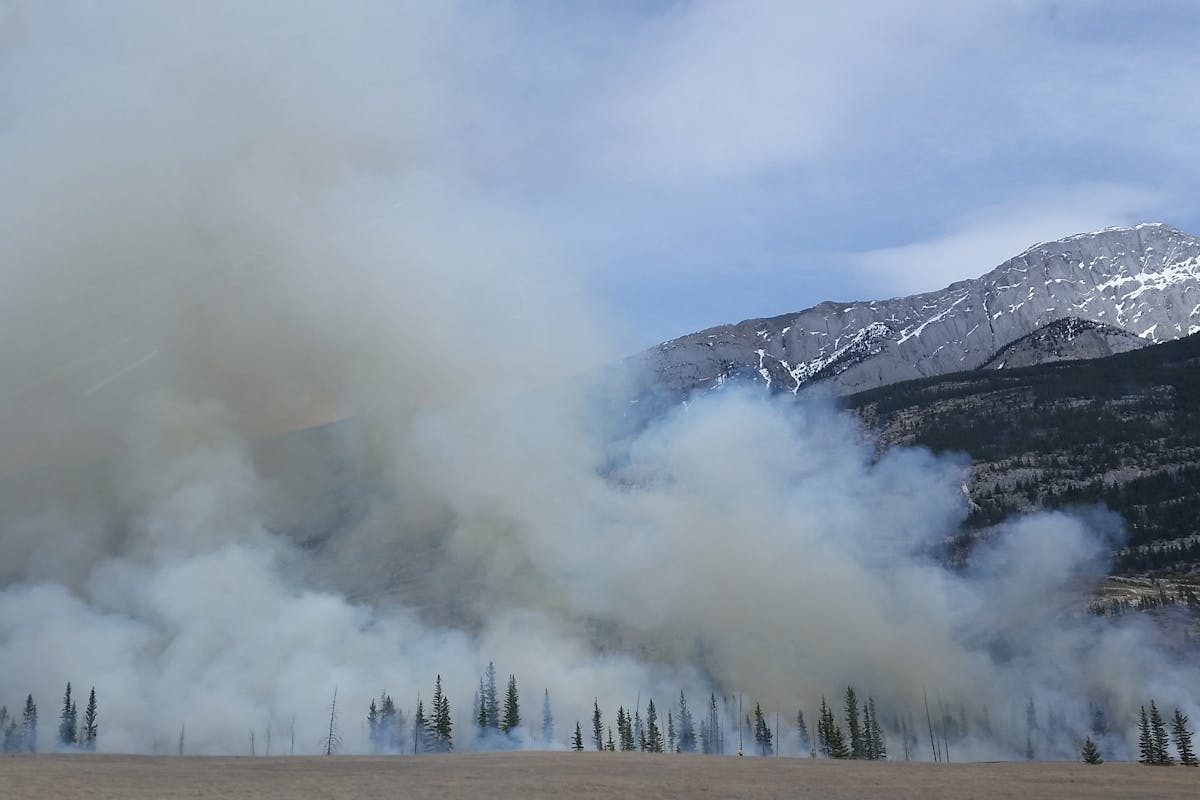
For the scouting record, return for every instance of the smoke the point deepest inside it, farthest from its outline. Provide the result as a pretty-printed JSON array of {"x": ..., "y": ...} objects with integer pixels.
[{"x": 228, "y": 225}]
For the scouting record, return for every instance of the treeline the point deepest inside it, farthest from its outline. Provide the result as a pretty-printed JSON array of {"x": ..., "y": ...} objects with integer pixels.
[{"x": 20, "y": 734}]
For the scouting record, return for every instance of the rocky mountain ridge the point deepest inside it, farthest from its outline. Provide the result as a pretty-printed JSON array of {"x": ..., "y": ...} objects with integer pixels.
[{"x": 1143, "y": 281}]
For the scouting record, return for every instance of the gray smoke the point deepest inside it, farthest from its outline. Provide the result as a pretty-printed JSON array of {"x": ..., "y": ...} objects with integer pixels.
[{"x": 226, "y": 225}]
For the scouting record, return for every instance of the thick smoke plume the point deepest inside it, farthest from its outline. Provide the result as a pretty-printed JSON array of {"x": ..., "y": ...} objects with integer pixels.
[{"x": 225, "y": 226}]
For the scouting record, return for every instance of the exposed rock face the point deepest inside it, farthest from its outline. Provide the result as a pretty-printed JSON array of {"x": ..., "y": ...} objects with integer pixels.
[{"x": 1143, "y": 280}]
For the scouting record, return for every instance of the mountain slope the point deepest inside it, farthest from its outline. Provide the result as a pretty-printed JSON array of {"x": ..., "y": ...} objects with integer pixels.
[
  {"x": 1143, "y": 280},
  {"x": 1122, "y": 430}
]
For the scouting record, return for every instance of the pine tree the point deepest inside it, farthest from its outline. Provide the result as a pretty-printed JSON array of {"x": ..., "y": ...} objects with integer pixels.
[
  {"x": 832, "y": 740},
  {"x": 671, "y": 744},
  {"x": 577, "y": 740},
  {"x": 803, "y": 743},
  {"x": 1089, "y": 753},
  {"x": 68, "y": 731},
  {"x": 29, "y": 723},
  {"x": 716, "y": 738},
  {"x": 1183, "y": 738},
  {"x": 440, "y": 724},
  {"x": 481, "y": 707},
  {"x": 762, "y": 733},
  {"x": 624, "y": 729},
  {"x": 421, "y": 743},
  {"x": 373, "y": 728},
  {"x": 512, "y": 707},
  {"x": 687, "y": 728},
  {"x": 331, "y": 742},
  {"x": 857, "y": 745},
  {"x": 547, "y": 719},
  {"x": 610, "y": 745},
  {"x": 491, "y": 699},
  {"x": 390, "y": 724},
  {"x": 598, "y": 725},
  {"x": 90, "y": 723},
  {"x": 639, "y": 731},
  {"x": 1145, "y": 739},
  {"x": 1158, "y": 729},
  {"x": 875, "y": 737},
  {"x": 653, "y": 736}
]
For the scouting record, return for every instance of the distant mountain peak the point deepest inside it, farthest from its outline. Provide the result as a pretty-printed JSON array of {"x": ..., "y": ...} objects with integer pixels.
[{"x": 1141, "y": 280}]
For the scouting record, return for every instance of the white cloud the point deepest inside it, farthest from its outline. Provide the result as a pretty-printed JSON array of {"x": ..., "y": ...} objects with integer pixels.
[{"x": 983, "y": 239}]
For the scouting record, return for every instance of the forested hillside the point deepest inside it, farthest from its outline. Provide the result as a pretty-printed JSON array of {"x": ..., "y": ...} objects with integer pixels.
[{"x": 1122, "y": 430}]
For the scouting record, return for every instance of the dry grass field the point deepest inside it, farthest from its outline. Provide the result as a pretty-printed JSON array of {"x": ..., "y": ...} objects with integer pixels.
[{"x": 532, "y": 776}]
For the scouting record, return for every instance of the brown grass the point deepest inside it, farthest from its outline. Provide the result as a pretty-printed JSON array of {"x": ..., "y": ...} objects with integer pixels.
[{"x": 531, "y": 776}]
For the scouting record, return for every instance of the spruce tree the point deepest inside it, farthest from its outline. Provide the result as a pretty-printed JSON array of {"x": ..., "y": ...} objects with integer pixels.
[
  {"x": 512, "y": 707},
  {"x": 1158, "y": 729},
  {"x": 653, "y": 735},
  {"x": 91, "y": 724},
  {"x": 716, "y": 738},
  {"x": 671, "y": 743},
  {"x": 1183, "y": 738},
  {"x": 491, "y": 699},
  {"x": 857, "y": 745},
  {"x": 598, "y": 725},
  {"x": 1089, "y": 753},
  {"x": 29, "y": 724},
  {"x": 687, "y": 728},
  {"x": 420, "y": 729},
  {"x": 577, "y": 739},
  {"x": 547, "y": 719},
  {"x": 875, "y": 737},
  {"x": 68, "y": 731},
  {"x": 390, "y": 724},
  {"x": 1145, "y": 739},
  {"x": 373, "y": 728},
  {"x": 624, "y": 729},
  {"x": 481, "y": 716},
  {"x": 440, "y": 724},
  {"x": 610, "y": 745},
  {"x": 803, "y": 743},
  {"x": 762, "y": 733}
]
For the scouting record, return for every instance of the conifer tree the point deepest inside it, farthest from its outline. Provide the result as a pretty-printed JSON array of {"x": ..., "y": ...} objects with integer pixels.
[
  {"x": 1145, "y": 739},
  {"x": 803, "y": 743},
  {"x": 762, "y": 733},
  {"x": 1089, "y": 753},
  {"x": 68, "y": 730},
  {"x": 1158, "y": 730},
  {"x": 29, "y": 723},
  {"x": 4, "y": 744},
  {"x": 653, "y": 735},
  {"x": 491, "y": 699},
  {"x": 610, "y": 745},
  {"x": 715, "y": 735},
  {"x": 440, "y": 724},
  {"x": 577, "y": 739},
  {"x": 624, "y": 729},
  {"x": 687, "y": 728},
  {"x": 91, "y": 723},
  {"x": 547, "y": 719},
  {"x": 481, "y": 707},
  {"x": 1183, "y": 738},
  {"x": 875, "y": 738},
  {"x": 420, "y": 729},
  {"x": 330, "y": 742},
  {"x": 671, "y": 744},
  {"x": 833, "y": 741},
  {"x": 853, "y": 725},
  {"x": 512, "y": 707},
  {"x": 373, "y": 728},
  {"x": 639, "y": 731},
  {"x": 390, "y": 724},
  {"x": 598, "y": 725}
]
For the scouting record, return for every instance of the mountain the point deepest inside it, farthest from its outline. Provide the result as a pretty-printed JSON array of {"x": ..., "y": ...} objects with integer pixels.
[
  {"x": 1123, "y": 431},
  {"x": 1120, "y": 287}
]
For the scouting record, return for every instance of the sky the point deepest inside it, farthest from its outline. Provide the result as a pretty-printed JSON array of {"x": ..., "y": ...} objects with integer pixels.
[{"x": 709, "y": 162}]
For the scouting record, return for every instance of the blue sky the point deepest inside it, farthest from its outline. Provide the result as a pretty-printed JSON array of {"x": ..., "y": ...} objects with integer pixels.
[
  {"x": 712, "y": 161},
  {"x": 700, "y": 161}
]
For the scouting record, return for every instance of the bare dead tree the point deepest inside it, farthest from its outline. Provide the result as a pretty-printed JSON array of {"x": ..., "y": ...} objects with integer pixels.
[{"x": 333, "y": 740}]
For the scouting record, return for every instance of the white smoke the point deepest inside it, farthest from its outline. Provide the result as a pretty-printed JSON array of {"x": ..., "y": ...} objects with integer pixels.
[{"x": 226, "y": 224}]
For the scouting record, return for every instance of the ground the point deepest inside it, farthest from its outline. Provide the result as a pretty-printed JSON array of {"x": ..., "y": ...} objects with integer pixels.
[{"x": 530, "y": 776}]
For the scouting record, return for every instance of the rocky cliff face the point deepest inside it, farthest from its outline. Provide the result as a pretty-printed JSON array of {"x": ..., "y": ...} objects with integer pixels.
[{"x": 1143, "y": 281}]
